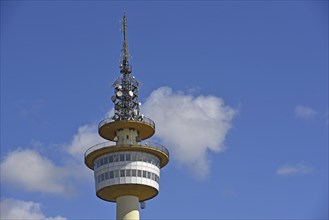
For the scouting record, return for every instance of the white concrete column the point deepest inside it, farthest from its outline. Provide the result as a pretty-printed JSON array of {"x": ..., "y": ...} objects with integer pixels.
[
  {"x": 127, "y": 208},
  {"x": 126, "y": 136}
]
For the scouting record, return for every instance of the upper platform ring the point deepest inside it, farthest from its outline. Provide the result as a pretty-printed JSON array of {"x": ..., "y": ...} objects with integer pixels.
[
  {"x": 107, "y": 128},
  {"x": 145, "y": 146}
]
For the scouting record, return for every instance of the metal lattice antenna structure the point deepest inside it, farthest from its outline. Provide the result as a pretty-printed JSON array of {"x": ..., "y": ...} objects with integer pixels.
[{"x": 125, "y": 96}]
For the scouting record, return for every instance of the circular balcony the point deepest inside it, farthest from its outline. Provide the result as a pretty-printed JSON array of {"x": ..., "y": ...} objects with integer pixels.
[
  {"x": 107, "y": 147},
  {"x": 108, "y": 127}
]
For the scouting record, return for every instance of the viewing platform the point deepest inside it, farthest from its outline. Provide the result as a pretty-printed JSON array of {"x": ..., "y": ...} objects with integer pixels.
[
  {"x": 107, "y": 128},
  {"x": 109, "y": 147}
]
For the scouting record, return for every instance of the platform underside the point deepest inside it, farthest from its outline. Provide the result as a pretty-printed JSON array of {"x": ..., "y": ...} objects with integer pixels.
[{"x": 111, "y": 193}]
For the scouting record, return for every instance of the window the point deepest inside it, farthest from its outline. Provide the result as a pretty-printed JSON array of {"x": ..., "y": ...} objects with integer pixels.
[
  {"x": 116, "y": 173},
  {"x": 149, "y": 175},
  {"x": 127, "y": 136},
  {"x": 153, "y": 176},
  {"x": 102, "y": 162},
  {"x": 127, "y": 157},
  {"x": 106, "y": 160},
  {"x": 133, "y": 157},
  {"x": 106, "y": 176},
  {"x": 122, "y": 157},
  {"x": 122, "y": 173},
  {"x": 128, "y": 172},
  {"x": 144, "y": 173},
  {"x": 102, "y": 177},
  {"x": 115, "y": 158},
  {"x": 111, "y": 174},
  {"x": 111, "y": 159},
  {"x": 133, "y": 172},
  {"x": 139, "y": 173}
]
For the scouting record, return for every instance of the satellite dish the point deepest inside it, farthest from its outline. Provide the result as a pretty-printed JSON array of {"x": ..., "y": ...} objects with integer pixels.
[
  {"x": 131, "y": 93},
  {"x": 119, "y": 94}
]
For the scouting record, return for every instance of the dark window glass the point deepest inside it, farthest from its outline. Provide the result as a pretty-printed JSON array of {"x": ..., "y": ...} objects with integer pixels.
[
  {"x": 133, "y": 172},
  {"x": 111, "y": 174},
  {"x": 127, "y": 136},
  {"x": 102, "y": 162},
  {"x": 102, "y": 177},
  {"x": 149, "y": 175},
  {"x": 106, "y": 176},
  {"x": 128, "y": 172},
  {"x": 111, "y": 159},
  {"x": 144, "y": 173},
  {"x": 139, "y": 173},
  {"x": 122, "y": 157},
  {"x": 116, "y": 173},
  {"x": 115, "y": 158},
  {"x": 153, "y": 176},
  {"x": 133, "y": 157},
  {"x": 122, "y": 173},
  {"x": 106, "y": 160},
  {"x": 127, "y": 157}
]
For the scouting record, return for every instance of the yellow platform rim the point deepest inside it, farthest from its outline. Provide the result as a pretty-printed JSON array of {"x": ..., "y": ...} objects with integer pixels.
[
  {"x": 107, "y": 128},
  {"x": 93, "y": 155}
]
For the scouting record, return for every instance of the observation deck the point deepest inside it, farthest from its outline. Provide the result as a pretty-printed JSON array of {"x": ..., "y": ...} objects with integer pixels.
[
  {"x": 107, "y": 147},
  {"x": 107, "y": 128}
]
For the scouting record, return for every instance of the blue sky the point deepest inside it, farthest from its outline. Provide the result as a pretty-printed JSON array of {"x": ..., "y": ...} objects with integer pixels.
[{"x": 249, "y": 141}]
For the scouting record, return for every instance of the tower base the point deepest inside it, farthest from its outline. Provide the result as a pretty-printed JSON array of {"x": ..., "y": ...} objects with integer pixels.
[{"x": 127, "y": 208}]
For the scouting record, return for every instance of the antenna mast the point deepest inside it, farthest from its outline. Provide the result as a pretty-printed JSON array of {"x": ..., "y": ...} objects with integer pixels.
[
  {"x": 125, "y": 68},
  {"x": 125, "y": 96}
]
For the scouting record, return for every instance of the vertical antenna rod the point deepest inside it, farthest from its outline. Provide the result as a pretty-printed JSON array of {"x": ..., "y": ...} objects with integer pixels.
[{"x": 125, "y": 68}]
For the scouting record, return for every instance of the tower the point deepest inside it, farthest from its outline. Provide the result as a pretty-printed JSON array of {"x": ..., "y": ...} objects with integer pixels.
[{"x": 126, "y": 167}]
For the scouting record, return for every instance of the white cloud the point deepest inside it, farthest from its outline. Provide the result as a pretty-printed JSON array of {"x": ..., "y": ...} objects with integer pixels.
[
  {"x": 16, "y": 209},
  {"x": 290, "y": 169},
  {"x": 86, "y": 137},
  {"x": 31, "y": 171},
  {"x": 28, "y": 169},
  {"x": 304, "y": 112},
  {"x": 190, "y": 125}
]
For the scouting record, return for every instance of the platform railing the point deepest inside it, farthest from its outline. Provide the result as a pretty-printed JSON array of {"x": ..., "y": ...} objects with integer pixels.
[
  {"x": 145, "y": 120},
  {"x": 142, "y": 144}
]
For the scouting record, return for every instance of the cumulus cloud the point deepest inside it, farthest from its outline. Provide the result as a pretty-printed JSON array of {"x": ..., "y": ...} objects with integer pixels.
[
  {"x": 304, "y": 112},
  {"x": 30, "y": 170},
  {"x": 290, "y": 169},
  {"x": 17, "y": 209},
  {"x": 190, "y": 125},
  {"x": 86, "y": 137}
]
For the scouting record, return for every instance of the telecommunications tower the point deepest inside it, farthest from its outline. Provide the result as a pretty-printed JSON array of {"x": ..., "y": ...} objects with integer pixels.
[{"x": 126, "y": 167}]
